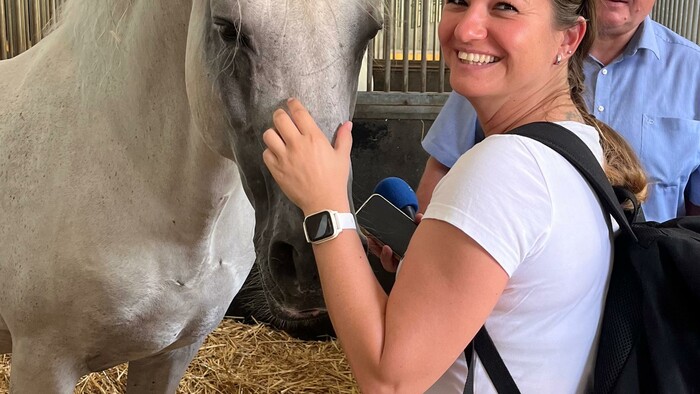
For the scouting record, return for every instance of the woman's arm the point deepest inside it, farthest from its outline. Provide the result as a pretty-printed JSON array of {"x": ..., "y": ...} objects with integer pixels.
[
  {"x": 432, "y": 174},
  {"x": 447, "y": 286}
]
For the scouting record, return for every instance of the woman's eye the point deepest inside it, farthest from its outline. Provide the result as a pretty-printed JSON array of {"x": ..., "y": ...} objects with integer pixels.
[
  {"x": 505, "y": 7},
  {"x": 457, "y": 2}
]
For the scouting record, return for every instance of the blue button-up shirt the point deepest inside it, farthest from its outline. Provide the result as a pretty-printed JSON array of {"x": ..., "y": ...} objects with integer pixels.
[{"x": 650, "y": 94}]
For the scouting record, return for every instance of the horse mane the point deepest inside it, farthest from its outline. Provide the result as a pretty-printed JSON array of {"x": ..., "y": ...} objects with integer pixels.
[
  {"x": 91, "y": 19},
  {"x": 108, "y": 38},
  {"x": 93, "y": 30}
]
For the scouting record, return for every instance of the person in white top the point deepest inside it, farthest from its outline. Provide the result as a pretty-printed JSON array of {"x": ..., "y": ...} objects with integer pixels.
[{"x": 513, "y": 237}]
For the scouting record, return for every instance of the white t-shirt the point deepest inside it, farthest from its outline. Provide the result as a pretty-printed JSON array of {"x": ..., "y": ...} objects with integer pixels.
[{"x": 539, "y": 219}]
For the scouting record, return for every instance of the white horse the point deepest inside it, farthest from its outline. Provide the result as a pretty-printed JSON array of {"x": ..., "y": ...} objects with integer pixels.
[{"x": 129, "y": 151}]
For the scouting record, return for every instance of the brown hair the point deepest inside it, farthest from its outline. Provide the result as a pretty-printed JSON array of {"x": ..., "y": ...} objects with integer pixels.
[{"x": 622, "y": 166}]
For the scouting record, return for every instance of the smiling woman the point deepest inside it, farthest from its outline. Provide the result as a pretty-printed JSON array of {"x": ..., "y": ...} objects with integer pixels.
[{"x": 477, "y": 257}]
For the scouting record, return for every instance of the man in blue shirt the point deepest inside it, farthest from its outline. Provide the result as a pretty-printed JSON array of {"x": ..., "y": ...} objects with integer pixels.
[{"x": 643, "y": 80}]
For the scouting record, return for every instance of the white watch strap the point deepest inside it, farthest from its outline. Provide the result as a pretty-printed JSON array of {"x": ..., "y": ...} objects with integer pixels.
[{"x": 346, "y": 220}]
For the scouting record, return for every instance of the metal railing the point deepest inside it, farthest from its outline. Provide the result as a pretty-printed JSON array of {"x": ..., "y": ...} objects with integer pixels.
[
  {"x": 23, "y": 22},
  {"x": 409, "y": 40},
  {"x": 394, "y": 52},
  {"x": 405, "y": 56},
  {"x": 681, "y": 16}
]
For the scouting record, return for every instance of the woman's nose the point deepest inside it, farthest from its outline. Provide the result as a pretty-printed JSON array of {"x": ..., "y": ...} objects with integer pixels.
[{"x": 472, "y": 25}]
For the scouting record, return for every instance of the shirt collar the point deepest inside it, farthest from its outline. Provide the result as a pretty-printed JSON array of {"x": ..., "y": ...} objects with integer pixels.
[{"x": 643, "y": 38}]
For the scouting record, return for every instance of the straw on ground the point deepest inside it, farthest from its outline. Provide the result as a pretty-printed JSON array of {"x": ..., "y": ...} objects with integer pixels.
[{"x": 239, "y": 358}]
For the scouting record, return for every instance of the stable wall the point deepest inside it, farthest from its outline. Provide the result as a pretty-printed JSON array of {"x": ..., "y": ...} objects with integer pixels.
[{"x": 387, "y": 133}]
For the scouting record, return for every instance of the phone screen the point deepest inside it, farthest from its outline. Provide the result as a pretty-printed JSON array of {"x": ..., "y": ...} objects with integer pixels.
[{"x": 388, "y": 225}]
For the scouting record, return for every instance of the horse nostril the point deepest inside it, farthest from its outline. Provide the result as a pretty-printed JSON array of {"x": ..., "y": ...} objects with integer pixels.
[
  {"x": 281, "y": 262},
  {"x": 294, "y": 273}
]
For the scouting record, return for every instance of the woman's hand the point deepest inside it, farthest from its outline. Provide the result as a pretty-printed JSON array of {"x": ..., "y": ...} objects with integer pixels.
[{"x": 311, "y": 172}]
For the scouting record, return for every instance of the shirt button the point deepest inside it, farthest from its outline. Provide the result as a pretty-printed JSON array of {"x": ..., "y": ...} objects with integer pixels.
[
  {"x": 605, "y": 71},
  {"x": 601, "y": 108}
]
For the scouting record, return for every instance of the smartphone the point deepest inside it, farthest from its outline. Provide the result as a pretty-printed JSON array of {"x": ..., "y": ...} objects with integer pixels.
[{"x": 385, "y": 223}]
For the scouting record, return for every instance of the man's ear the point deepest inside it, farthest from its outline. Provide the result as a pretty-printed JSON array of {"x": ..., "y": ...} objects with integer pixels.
[{"x": 573, "y": 37}]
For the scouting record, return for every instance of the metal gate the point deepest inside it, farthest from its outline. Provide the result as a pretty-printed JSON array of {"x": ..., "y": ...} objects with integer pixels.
[
  {"x": 409, "y": 42},
  {"x": 23, "y": 23},
  {"x": 404, "y": 57},
  {"x": 681, "y": 16}
]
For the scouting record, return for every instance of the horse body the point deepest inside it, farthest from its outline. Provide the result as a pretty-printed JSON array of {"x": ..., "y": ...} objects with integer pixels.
[{"x": 127, "y": 228}]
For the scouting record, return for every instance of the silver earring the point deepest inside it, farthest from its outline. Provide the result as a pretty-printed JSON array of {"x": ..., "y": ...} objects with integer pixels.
[
  {"x": 558, "y": 61},
  {"x": 569, "y": 52}
]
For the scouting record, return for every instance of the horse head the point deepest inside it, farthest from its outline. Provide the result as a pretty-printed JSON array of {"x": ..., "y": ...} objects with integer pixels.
[{"x": 244, "y": 58}]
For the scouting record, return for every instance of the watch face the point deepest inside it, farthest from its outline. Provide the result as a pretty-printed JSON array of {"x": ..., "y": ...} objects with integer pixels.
[{"x": 319, "y": 226}]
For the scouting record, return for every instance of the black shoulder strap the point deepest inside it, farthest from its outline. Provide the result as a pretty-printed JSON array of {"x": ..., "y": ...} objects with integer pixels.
[
  {"x": 484, "y": 347},
  {"x": 567, "y": 144}
]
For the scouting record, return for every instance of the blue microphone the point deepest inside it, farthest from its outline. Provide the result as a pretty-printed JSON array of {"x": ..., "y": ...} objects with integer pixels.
[{"x": 399, "y": 193}]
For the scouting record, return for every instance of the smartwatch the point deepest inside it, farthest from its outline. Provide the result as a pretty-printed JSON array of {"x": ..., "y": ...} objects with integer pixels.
[{"x": 325, "y": 225}]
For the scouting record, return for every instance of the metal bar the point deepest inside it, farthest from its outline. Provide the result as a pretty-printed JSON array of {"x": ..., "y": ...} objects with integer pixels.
[
  {"x": 685, "y": 18},
  {"x": 690, "y": 19},
  {"x": 671, "y": 11},
  {"x": 425, "y": 10},
  {"x": 378, "y": 42},
  {"x": 416, "y": 23},
  {"x": 9, "y": 11},
  {"x": 399, "y": 105},
  {"x": 388, "y": 44},
  {"x": 43, "y": 7},
  {"x": 693, "y": 15},
  {"x": 370, "y": 64},
  {"x": 676, "y": 24},
  {"x": 434, "y": 14},
  {"x": 37, "y": 22},
  {"x": 441, "y": 87},
  {"x": 406, "y": 25},
  {"x": 695, "y": 36},
  {"x": 676, "y": 16},
  {"x": 3, "y": 34},
  {"x": 44, "y": 14},
  {"x": 22, "y": 26}
]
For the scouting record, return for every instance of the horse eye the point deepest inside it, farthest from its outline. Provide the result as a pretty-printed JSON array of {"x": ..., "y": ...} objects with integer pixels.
[
  {"x": 231, "y": 33},
  {"x": 227, "y": 30}
]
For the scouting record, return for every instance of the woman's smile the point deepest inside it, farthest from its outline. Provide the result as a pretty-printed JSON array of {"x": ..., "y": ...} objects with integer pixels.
[{"x": 476, "y": 58}]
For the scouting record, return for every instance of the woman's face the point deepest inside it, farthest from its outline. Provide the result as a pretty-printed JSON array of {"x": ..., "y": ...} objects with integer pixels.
[{"x": 495, "y": 48}]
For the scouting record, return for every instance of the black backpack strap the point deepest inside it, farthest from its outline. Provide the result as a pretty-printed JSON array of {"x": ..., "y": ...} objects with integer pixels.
[
  {"x": 567, "y": 144},
  {"x": 622, "y": 315},
  {"x": 493, "y": 364}
]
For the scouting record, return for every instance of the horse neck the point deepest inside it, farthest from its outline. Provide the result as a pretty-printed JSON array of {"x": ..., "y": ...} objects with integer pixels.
[
  {"x": 131, "y": 63},
  {"x": 129, "y": 45}
]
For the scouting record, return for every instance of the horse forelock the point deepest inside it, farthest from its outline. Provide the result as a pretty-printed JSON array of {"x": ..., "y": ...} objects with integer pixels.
[{"x": 305, "y": 10}]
